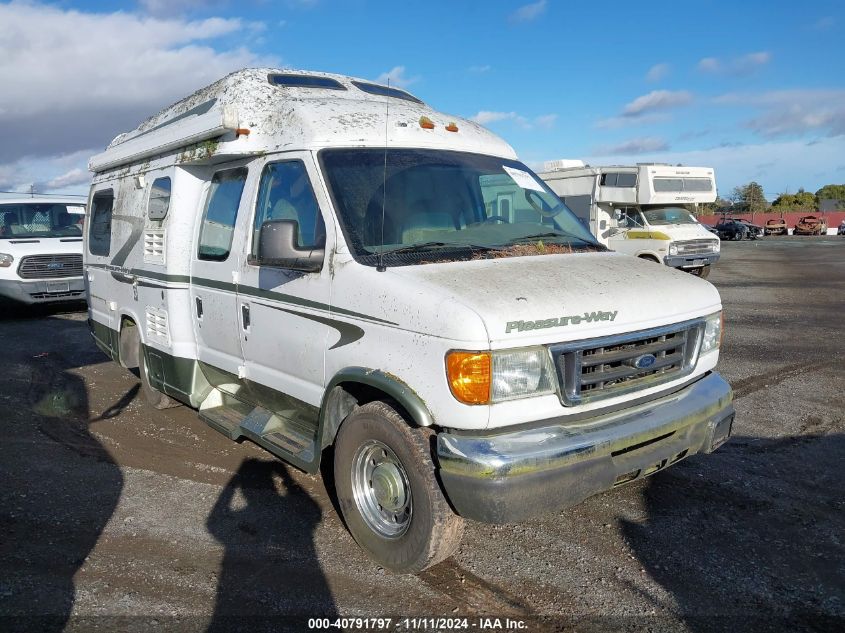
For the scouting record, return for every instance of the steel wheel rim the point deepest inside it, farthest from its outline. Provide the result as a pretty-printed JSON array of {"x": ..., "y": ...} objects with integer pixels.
[{"x": 381, "y": 489}]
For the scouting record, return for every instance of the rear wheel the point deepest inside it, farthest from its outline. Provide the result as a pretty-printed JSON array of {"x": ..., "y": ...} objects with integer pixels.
[{"x": 388, "y": 492}]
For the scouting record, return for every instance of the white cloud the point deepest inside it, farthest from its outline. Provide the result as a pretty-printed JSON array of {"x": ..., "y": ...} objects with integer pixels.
[
  {"x": 656, "y": 100},
  {"x": 176, "y": 7},
  {"x": 81, "y": 78},
  {"x": 544, "y": 121},
  {"x": 657, "y": 72},
  {"x": 484, "y": 117},
  {"x": 743, "y": 65},
  {"x": 634, "y": 146},
  {"x": 786, "y": 112},
  {"x": 66, "y": 173},
  {"x": 709, "y": 65},
  {"x": 528, "y": 12},
  {"x": 824, "y": 24},
  {"x": 75, "y": 176},
  {"x": 397, "y": 77}
]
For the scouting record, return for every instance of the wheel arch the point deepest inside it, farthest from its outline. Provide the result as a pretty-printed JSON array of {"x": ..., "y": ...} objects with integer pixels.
[
  {"x": 355, "y": 386},
  {"x": 127, "y": 350}
]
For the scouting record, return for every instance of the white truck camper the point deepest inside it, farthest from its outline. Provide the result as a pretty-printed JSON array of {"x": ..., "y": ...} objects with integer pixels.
[
  {"x": 644, "y": 210},
  {"x": 316, "y": 261},
  {"x": 41, "y": 249}
]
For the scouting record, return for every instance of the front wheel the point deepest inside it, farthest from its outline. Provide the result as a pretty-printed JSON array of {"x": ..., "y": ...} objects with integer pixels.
[{"x": 388, "y": 492}]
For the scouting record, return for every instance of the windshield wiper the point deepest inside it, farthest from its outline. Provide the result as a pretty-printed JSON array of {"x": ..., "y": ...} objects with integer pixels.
[
  {"x": 425, "y": 246},
  {"x": 553, "y": 234}
]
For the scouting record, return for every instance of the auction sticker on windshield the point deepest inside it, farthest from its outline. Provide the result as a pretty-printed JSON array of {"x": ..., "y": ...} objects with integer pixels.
[
  {"x": 73, "y": 208},
  {"x": 523, "y": 178}
]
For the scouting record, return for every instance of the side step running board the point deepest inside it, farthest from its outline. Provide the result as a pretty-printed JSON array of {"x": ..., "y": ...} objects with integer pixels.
[{"x": 283, "y": 435}]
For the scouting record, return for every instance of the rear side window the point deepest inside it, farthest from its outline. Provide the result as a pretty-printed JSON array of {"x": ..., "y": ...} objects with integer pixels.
[
  {"x": 99, "y": 233},
  {"x": 619, "y": 179},
  {"x": 159, "y": 202},
  {"x": 221, "y": 211}
]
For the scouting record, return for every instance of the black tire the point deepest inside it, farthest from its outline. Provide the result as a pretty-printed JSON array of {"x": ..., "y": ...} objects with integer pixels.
[
  {"x": 152, "y": 395},
  {"x": 704, "y": 272},
  {"x": 432, "y": 531}
]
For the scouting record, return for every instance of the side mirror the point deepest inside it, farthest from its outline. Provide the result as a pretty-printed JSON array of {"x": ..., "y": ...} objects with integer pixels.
[{"x": 277, "y": 246}]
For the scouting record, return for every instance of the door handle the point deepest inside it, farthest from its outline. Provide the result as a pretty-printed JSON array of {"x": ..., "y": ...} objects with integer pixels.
[
  {"x": 245, "y": 315},
  {"x": 199, "y": 307}
]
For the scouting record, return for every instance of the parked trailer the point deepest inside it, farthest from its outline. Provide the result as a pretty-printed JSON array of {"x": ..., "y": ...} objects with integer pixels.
[
  {"x": 312, "y": 261},
  {"x": 644, "y": 210}
]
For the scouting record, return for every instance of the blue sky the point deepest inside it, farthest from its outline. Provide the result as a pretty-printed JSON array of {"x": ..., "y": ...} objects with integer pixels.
[{"x": 755, "y": 89}]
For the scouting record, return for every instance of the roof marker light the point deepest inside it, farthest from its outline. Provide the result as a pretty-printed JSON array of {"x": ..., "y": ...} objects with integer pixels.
[
  {"x": 242, "y": 131},
  {"x": 426, "y": 123},
  {"x": 451, "y": 127}
]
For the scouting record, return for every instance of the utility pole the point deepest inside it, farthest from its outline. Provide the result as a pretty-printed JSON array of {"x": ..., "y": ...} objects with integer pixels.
[{"x": 32, "y": 191}]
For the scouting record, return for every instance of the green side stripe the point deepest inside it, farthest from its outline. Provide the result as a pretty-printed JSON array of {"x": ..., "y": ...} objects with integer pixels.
[{"x": 250, "y": 291}]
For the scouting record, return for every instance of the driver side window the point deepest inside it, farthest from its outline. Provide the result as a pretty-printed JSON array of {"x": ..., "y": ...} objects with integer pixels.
[{"x": 285, "y": 193}]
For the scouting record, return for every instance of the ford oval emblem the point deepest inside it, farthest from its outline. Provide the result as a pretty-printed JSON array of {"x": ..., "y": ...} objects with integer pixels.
[
  {"x": 55, "y": 265},
  {"x": 644, "y": 361}
]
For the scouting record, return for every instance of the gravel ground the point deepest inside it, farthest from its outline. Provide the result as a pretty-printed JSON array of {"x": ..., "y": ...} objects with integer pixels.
[{"x": 115, "y": 516}]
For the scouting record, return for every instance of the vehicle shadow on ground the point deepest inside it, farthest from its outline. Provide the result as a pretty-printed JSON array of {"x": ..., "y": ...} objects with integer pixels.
[
  {"x": 53, "y": 505},
  {"x": 755, "y": 537},
  {"x": 263, "y": 514}
]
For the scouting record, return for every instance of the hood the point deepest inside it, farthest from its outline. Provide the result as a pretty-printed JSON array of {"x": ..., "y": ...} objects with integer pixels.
[
  {"x": 679, "y": 232},
  {"x": 557, "y": 298},
  {"x": 21, "y": 246}
]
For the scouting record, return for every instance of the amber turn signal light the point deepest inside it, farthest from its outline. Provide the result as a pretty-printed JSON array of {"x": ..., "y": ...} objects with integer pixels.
[{"x": 469, "y": 375}]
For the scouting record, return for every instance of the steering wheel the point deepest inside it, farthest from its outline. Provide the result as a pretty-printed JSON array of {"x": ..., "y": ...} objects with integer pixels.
[
  {"x": 496, "y": 218},
  {"x": 529, "y": 197}
]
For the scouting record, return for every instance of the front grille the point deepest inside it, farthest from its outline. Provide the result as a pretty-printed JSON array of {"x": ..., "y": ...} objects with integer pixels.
[
  {"x": 50, "y": 266},
  {"x": 696, "y": 247},
  {"x": 610, "y": 366}
]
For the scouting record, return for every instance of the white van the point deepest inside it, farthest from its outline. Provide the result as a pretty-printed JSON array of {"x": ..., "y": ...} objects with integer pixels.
[
  {"x": 41, "y": 249},
  {"x": 644, "y": 210},
  {"x": 311, "y": 261}
]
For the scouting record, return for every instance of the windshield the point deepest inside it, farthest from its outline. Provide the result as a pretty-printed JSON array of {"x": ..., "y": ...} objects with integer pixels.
[
  {"x": 435, "y": 201},
  {"x": 25, "y": 220},
  {"x": 668, "y": 215}
]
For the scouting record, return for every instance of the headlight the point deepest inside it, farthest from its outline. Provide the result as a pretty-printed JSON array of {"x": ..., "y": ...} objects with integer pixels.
[
  {"x": 712, "y": 333},
  {"x": 6, "y": 260},
  {"x": 673, "y": 249},
  {"x": 488, "y": 377}
]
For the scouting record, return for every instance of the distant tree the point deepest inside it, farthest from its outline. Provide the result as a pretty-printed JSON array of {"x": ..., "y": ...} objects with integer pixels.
[
  {"x": 831, "y": 192},
  {"x": 749, "y": 197},
  {"x": 711, "y": 208},
  {"x": 801, "y": 201}
]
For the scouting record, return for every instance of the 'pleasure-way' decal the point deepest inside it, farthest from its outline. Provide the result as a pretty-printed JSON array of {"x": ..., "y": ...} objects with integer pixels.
[{"x": 588, "y": 317}]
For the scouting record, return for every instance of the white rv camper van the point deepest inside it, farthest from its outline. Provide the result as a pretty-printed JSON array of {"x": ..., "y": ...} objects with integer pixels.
[
  {"x": 315, "y": 261},
  {"x": 41, "y": 249},
  {"x": 643, "y": 210}
]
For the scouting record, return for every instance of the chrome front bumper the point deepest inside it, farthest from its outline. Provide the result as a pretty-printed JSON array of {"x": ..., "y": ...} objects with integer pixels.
[
  {"x": 691, "y": 261},
  {"x": 510, "y": 476}
]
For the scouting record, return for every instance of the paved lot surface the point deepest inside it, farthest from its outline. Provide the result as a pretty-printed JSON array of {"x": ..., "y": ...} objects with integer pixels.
[{"x": 114, "y": 516}]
